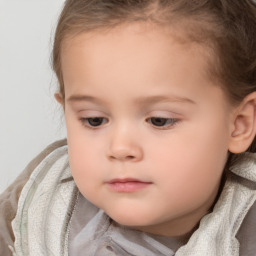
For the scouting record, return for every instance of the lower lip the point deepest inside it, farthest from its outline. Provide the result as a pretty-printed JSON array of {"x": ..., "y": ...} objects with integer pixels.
[{"x": 128, "y": 187}]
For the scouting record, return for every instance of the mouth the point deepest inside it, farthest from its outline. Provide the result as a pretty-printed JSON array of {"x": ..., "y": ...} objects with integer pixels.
[{"x": 127, "y": 185}]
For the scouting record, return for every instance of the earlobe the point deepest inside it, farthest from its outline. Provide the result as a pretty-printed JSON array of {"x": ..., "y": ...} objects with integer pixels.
[
  {"x": 58, "y": 98},
  {"x": 244, "y": 125}
]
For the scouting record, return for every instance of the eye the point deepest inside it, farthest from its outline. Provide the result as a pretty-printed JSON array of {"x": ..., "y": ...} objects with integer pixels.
[
  {"x": 162, "y": 122},
  {"x": 93, "y": 121}
]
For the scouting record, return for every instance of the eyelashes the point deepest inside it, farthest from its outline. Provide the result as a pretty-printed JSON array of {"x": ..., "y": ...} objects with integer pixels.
[
  {"x": 95, "y": 121},
  {"x": 157, "y": 122},
  {"x": 161, "y": 121}
]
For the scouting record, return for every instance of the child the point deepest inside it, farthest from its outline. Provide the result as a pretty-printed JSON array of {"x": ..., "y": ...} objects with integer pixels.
[{"x": 159, "y": 100}]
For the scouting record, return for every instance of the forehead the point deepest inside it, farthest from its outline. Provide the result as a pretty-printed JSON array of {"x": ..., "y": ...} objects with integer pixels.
[
  {"x": 136, "y": 61},
  {"x": 132, "y": 40},
  {"x": 136, "y": 54},
  {"x": 139, "y": 31}
]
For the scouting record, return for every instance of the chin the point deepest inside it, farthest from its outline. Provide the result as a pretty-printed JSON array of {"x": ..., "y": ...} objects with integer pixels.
[{"x": 130, "y": 218}]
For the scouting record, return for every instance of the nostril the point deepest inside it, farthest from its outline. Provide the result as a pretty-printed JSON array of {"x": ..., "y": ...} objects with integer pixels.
[{"x": 122, "y": 157}]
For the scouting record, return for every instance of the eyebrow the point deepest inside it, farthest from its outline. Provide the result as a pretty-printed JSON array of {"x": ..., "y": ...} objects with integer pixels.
[{"x": 140, "y": 101}]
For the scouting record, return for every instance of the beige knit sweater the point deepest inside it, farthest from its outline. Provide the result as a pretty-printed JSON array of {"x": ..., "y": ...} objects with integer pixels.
[{"x": 9, "y": 199}]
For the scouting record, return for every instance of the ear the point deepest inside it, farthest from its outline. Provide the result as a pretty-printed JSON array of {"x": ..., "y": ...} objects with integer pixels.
[
  {"x": 59, "y": 98},
  {"x": 244, "y": 125}
]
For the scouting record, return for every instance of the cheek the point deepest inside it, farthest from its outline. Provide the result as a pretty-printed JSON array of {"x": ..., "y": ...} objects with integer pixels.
[
  {"x": 84, "y": 151},
  {"x": 84, "y": 161},
  {"x": 81, "y": 147},
  {"x": 188, "y": 182},
  {"x": 191, "y": 163}
]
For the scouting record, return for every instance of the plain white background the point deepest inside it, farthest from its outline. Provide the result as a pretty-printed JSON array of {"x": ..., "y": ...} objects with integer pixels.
[{"x": 30, "y": 118}]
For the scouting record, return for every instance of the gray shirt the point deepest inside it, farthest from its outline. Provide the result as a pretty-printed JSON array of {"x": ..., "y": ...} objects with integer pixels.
[{"x": 106, "y": 237}]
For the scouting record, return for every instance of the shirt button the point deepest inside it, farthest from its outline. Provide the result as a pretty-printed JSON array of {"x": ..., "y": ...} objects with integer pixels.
[{"x": 109, "y": 248}]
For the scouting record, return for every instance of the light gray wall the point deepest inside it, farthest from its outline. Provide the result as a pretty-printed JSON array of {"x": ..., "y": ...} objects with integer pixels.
[{"x": 29, "y": 117}]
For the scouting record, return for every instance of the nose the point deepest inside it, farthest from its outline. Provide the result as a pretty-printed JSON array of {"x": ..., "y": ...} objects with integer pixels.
[{"x": 125, "y": 146}]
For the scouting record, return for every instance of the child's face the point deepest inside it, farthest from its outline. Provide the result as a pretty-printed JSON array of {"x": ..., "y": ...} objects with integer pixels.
[{"x": 148, "y": 132}]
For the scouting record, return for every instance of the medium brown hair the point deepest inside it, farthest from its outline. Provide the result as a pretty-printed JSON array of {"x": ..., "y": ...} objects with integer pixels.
[{"x": 226, "y": 27}]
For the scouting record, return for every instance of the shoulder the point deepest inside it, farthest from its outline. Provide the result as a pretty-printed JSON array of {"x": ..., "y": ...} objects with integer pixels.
[
  {"x": 10, "y": 197},
  {"x": 246, "y": 234},
  {"x": 21, "y": 180}
]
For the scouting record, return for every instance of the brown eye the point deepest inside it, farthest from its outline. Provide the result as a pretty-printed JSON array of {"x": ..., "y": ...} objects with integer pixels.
[
  {"x": 158, "y": 121},
  {"x": 95, "y": 121},
  {"x": 162, "y": 122}
]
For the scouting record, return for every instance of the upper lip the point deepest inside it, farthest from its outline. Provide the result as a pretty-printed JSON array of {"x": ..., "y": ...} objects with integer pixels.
[{"x": 124, "y": 180}]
